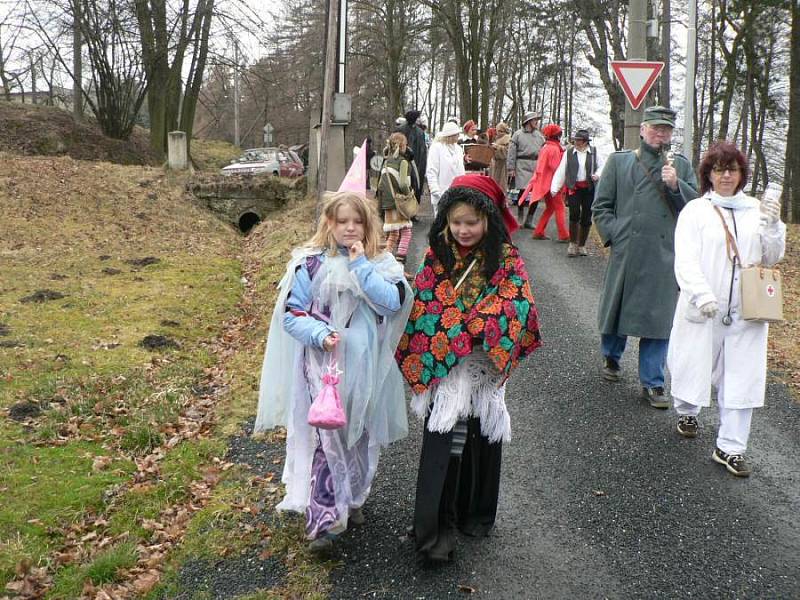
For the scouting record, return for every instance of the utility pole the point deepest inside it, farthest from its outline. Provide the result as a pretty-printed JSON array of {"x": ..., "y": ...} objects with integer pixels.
[
  {"x": 77, "y": 64},
  {"x": 688, "y": 110},
  {"x": 236, "y": 93},
  {"x": 327, "y": 97},
  {"x": 637, "y": 50}
]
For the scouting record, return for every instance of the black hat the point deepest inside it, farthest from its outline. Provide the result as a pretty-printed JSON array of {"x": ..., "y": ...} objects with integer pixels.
[
  {"x": 412, "y": 116},
  {"x": 582, "y": 134},
  {"x": 659, "y": 115}
]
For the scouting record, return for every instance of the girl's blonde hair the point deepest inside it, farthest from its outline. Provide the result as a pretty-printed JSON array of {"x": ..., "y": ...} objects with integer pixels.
[
  {"x": 323, "y": 238},
  {"x": 457, "y": 209},
  {"x": 396, "y": 143}
]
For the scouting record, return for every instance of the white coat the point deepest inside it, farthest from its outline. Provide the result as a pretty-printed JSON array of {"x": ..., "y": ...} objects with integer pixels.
[
  {"x": 704, "y": 352},
  {"x": 445, "y": 163}
]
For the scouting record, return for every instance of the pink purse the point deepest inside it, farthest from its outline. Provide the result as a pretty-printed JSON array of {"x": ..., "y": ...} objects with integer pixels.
[{"x": 326, "y": 412}]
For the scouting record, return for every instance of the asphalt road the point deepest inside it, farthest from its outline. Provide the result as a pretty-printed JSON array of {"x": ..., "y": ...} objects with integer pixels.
[{"x": 600, "y": 497}]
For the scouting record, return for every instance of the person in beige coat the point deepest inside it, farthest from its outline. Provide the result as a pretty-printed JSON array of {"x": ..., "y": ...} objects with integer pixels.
[{"x": 499, "y": 169}]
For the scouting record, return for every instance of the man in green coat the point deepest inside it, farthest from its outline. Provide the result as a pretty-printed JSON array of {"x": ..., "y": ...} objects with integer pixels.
[{"x": 636, "y": 205}]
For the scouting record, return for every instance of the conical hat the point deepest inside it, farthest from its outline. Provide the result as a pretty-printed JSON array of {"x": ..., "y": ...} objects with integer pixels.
[{"x": 356, "y": 178}]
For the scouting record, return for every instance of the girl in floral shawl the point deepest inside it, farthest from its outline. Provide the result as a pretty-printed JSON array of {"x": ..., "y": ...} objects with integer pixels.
[{"x": 472, "y": 320}]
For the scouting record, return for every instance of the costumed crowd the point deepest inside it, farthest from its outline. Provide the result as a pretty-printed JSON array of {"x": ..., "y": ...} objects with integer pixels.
[{"x": 351, "y": 327}]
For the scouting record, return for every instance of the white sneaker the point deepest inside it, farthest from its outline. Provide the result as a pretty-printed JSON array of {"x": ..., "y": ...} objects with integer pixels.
[
  {"x": 572, "y": 249},
  {"x": 583, "y": 251}
]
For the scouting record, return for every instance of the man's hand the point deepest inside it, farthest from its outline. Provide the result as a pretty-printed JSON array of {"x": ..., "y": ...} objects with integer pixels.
[
  {"x": 670, "y": 177},
  {"x": 356, "y": 250},
  {"x": 330, "y": 341},
  {"x": 595, "y": 177},
  {"x": 512, "y": 173},
  {"x": 467, "y": 159}
]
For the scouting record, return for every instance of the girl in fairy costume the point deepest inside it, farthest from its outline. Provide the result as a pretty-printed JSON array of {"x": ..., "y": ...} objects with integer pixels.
[
  {"x": 342, "y": 298},
  {"x": 473, "y": 319}
]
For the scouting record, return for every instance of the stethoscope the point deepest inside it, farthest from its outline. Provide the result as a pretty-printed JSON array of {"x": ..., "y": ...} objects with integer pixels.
[{"x": 727, "y": 319}]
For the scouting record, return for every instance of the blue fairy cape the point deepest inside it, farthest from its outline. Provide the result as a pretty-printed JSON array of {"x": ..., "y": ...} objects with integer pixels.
[{"x": 371, "y": 386}]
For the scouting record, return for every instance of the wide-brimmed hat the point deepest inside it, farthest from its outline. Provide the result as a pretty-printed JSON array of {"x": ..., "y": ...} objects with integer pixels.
[
  {"x": 530, "y": 116},
  {"x": 582, "y": 134},
  {"x": 448, "y": 129},
  {"x": 659, "y": 115}
]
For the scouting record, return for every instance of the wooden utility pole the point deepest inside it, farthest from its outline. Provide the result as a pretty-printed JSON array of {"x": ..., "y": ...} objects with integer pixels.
[
  {"x": 77, "y": 64},
  {"x": 327, "y": 97},
  {"x": 637, "y": 50}
]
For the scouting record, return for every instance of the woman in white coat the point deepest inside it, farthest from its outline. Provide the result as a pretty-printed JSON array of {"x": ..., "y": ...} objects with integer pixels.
[
  {"x": 445, "y": 162},
  {"x": 710, "y": 344}
]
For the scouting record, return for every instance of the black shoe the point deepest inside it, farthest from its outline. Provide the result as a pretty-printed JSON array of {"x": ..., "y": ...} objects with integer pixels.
[
  {"x": 735, "y": 463},
  {"x": 687, "y": 426},
  {"x": 611, "y": 370},
  {"x": 656, "y": 397}
]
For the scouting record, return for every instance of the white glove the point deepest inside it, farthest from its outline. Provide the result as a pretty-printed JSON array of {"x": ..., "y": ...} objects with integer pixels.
[
  {"x": 710, "y": 309},
  {"x": 770, "y": 211}
]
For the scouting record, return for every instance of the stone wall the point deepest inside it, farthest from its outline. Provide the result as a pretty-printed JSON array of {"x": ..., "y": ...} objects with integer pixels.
[{"x": 232, "y": 197}]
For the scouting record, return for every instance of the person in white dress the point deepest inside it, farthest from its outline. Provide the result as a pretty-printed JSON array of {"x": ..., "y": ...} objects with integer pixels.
[
  {"x": 711, "y": 344},
  {"x": 445, "y": 162}
]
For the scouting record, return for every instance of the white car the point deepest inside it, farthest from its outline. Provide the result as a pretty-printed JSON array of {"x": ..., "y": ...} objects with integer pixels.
[{"x": 272, "y": 161}]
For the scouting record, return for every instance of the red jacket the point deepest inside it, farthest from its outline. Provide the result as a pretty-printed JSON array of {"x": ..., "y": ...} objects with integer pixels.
[{"x": 546, "y": 166}]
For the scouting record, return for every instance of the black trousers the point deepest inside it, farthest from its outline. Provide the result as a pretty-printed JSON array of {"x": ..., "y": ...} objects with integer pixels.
[
  {"x": 455, "y": 492},
  {"x": 580, "y": 206}
]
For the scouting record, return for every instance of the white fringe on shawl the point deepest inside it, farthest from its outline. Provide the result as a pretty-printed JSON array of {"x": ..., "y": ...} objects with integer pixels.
[{"x": 471, "y": 389}]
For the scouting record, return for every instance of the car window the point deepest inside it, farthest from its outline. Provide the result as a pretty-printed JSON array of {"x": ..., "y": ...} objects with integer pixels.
[{"x": 294, "y": 156}]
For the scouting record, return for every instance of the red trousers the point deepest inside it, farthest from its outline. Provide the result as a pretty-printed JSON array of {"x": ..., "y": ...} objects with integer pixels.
[{"x": 554, "y": 204}]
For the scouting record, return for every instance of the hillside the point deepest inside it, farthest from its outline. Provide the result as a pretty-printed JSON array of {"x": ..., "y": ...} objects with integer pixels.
[{"x": 44, "y": 130}]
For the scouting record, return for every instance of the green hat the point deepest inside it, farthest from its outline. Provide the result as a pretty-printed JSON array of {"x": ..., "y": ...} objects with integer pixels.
[{"x": 659, "y": 115}]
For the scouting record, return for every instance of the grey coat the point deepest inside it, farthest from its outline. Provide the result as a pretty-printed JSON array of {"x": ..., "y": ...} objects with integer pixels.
[
  {"x": 522, "y": 154},
  {"x": 632, "y": 217}
]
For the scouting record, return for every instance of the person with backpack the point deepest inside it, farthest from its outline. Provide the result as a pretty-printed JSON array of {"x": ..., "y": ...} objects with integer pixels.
[{"x": 394, "y": 184}]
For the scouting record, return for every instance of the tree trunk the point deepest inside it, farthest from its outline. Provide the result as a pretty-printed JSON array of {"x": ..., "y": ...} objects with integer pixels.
[{"x": 791, "y": 173}]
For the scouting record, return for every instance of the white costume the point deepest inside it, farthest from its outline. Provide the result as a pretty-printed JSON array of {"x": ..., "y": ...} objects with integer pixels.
[
  {"x": 445, "y": 163},
  {"x": 371, "y": 387},
  {"x": 705, "y": 352}
]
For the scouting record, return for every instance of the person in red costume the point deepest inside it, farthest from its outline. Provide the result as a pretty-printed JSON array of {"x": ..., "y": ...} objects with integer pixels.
[{"x": 539, "y": 186}]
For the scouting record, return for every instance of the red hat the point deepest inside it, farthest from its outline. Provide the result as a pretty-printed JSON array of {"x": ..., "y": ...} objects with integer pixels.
[
  {"x": 469, "y": 125},
  {"x": 492, "y": 133},
  {"x": 488, "y": 187},
  {"x": 551, "y": 131}
]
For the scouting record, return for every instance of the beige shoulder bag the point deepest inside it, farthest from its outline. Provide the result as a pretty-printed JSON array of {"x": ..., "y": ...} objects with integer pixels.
[{"x": 761, "y": 289}]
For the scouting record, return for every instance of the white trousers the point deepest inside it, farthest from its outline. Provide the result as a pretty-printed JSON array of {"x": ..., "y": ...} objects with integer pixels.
[{"x": 734, "y": 425}]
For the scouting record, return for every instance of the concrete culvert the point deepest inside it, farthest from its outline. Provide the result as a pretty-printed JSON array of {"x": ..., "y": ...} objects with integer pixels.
[{"x": 247, "y": 221}]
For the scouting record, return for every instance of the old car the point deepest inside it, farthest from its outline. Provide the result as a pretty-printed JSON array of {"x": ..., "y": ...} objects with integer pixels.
[{"x": 272, "y": 161}]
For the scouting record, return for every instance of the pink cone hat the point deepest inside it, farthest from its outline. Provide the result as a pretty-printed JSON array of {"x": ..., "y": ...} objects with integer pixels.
[{"x": 356, "y": 178}]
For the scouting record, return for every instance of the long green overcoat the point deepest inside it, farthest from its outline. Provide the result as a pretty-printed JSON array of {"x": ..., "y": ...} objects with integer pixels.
[{"x": 635, "y": 220}]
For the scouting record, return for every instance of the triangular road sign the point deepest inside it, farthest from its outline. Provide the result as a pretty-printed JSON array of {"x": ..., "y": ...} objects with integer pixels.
[{"x": 636, "y": 78}]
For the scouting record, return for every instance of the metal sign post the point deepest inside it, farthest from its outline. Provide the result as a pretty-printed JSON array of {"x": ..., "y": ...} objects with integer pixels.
[{"x": 268, "y": 130}]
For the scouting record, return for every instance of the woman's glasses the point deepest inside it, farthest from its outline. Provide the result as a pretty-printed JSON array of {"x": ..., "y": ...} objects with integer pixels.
[{"x": 720, "y": 170}]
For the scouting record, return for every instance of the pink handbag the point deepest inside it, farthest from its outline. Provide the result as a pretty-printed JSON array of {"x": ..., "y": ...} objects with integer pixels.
[{"x": 326, "y": 411}]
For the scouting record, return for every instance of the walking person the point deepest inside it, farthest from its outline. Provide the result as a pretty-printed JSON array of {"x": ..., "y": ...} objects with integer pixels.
[
  {"x": 501, "y": 142},
  {"x": 523, "y": 151},
  {"x": 395, "y": 181},
  {"x": 636, "y": 205},
  {"x": 538, "y": 189},
  {"x": 473, "y": 319},
  {"x": 415, "y": 140},
  {"x": 342, "y": 298},
  {"x": 711, "y": 345},
  {"x": 445, "y": 162},
  {"x": 578, "y": 172}
]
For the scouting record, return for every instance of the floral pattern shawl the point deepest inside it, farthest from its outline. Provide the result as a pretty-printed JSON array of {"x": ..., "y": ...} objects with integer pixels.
[{"x": 445, "y": 322}]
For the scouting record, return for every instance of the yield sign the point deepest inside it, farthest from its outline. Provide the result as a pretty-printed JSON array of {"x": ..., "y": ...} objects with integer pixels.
[{"x": 636, "y": 78}]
